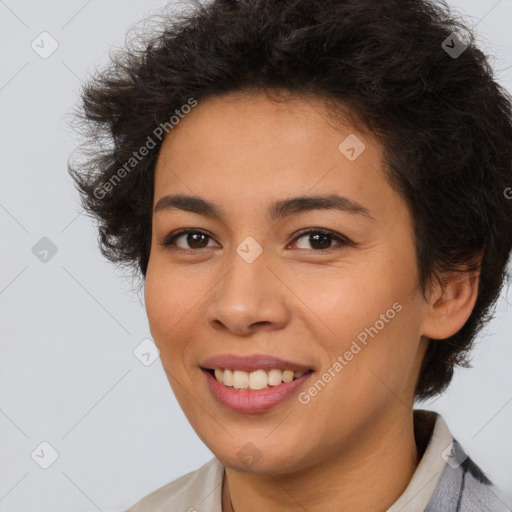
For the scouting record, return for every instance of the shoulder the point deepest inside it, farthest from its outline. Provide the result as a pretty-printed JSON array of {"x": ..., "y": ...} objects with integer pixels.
[
  {"x": 197, "y": 490},
  {"x": 464, "y": 487},
  {"x": 454, "y": 482},
  {"x": 478, "y": 492}
]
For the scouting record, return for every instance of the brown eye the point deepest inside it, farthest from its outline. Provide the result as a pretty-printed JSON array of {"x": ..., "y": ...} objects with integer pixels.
[
  {"x": 321, "y": 240},
  {"x": 193, "y": 239}
]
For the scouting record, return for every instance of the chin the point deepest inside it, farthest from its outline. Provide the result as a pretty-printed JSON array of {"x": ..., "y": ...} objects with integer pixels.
[{"x": 254, "y": 457}]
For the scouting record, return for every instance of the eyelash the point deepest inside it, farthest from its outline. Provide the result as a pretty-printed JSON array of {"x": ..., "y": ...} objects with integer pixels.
[{"x": 343, "y": 241}]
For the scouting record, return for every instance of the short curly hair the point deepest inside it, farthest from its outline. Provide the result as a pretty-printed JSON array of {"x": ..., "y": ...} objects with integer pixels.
[{"x": 409, "y": 70}]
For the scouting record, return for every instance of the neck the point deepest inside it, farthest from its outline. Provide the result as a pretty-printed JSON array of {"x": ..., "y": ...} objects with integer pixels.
[{"x": 371, "y": 476}]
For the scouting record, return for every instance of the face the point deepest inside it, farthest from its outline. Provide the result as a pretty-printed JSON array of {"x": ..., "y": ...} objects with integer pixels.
[{"x": 331, "y": 288}]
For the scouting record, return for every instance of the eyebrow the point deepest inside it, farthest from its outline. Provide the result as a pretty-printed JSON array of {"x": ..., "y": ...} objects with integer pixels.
[{"x": 277, "y": 210}]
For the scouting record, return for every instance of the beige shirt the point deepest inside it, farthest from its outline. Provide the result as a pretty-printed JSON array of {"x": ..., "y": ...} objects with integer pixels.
[{"x": 201, "y": 490}]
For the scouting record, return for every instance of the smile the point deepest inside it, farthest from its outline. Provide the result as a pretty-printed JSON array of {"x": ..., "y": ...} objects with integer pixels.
[
  {"x": 248, "y": 400},
  {"x": 256, "y": 380}
]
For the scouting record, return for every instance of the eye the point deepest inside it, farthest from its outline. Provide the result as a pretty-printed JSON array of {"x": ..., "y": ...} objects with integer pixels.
[
  {"x": 197, "y": 239},
  {"x": 322, "y": 238}
]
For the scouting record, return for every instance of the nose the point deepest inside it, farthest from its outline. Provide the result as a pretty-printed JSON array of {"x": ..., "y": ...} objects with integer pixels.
[{"x": 248, "y": 298}]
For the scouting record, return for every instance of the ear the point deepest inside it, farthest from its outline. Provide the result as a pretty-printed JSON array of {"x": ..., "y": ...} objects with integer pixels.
[{"x": 451, "y": 302}]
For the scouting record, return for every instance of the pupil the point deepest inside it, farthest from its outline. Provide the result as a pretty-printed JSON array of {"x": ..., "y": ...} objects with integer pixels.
[
  {"x": 314, "y": 239},
  {"x": 191, "y": 241}
]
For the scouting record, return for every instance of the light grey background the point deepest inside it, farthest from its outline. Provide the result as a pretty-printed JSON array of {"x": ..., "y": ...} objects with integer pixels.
[{"x": 69, "y": 326}]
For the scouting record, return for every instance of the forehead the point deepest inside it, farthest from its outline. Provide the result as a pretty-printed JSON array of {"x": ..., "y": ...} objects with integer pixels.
[{"x": 247, "y": 147}]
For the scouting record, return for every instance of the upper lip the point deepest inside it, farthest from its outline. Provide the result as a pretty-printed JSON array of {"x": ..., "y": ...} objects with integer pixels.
[{"x": 250, "y": 363}]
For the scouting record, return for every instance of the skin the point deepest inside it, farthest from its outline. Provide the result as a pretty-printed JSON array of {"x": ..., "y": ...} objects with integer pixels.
[{"x": 353, "y": 443}]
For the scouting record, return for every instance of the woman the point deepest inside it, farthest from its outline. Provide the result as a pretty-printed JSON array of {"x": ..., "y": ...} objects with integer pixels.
[{"x": 314, "y": 193}]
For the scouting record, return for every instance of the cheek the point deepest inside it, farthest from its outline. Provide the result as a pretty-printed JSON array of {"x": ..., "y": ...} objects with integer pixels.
[
  {"x": 165, "y": 301},
  {"x": 344, "y": 303},
  {"x": 167, "y": 293},
  {"x": 173, "y": 298},
  {"x": 368, "y": 314},
  {"x": 155, "y": 301}
]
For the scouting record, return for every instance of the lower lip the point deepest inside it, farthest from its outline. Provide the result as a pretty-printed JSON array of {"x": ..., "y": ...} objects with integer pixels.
[{"x": 243, "y": 400}]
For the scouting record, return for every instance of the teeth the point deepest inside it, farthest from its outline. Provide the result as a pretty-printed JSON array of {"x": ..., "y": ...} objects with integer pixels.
[
  {"x": 287, "y": 376},
  {"x": 256, "y": 380},
  {"x": 219, "y": 375},
  {"x": 274, "y": 377},
  {"x": 227, "y": 377},
  {"x": 240, "y": 379}
]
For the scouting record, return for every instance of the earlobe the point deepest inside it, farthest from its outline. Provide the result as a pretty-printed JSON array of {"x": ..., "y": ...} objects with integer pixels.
[{"x": 450, "y": 303}]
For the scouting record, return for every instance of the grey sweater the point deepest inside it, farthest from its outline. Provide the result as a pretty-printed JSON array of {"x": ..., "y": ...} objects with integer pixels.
[
  {"x": 462, "y": 485},
  {"x": 465, "y": 489}
]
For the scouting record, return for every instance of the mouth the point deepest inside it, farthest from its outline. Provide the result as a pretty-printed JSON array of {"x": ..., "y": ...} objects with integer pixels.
[
  {"x": 253, "y": 383},
  {"x": 256, "y": 380},
  {"x": 256, "y": 391}
]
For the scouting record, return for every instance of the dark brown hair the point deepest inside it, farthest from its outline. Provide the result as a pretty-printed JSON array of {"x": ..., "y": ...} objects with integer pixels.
[{"x": 444, "y": 122}]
